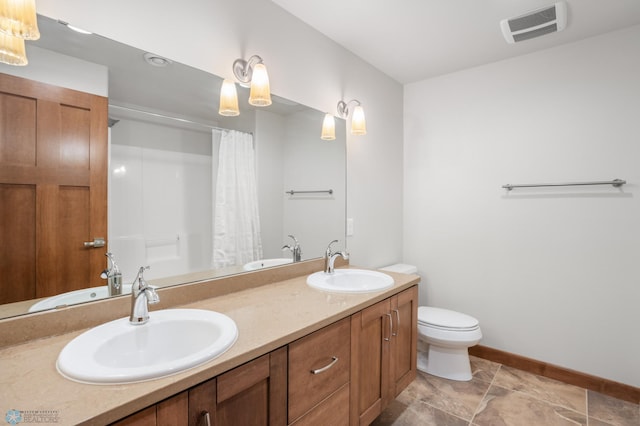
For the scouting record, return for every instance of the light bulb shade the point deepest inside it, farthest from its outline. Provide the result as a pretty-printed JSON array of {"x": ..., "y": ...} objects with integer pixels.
[
  {"x": 18, "y": 19},
  {"x": 260, "y": 93},
  {"x": 12, "y": 50},
  {"x": 228, "y": 99},
  {"x": 358, "y": 122},
  {"x": 328, "y": 128}
]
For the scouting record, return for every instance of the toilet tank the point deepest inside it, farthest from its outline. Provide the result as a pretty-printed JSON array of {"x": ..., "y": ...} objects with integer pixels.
[{"x": 402, "y": 268}]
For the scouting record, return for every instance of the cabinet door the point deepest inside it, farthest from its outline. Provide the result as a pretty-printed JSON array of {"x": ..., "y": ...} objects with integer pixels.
[
  {"x": 370, "y": 346},
  {"x": 253, "y": 394},
  {"x": 170, "y": 412},
  {"x": 404, "y": 338}
]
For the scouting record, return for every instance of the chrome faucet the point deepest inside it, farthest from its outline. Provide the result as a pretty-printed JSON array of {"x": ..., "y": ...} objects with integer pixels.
[
  {"x": 142, "y": 295},
  {"x": 113, "y": 276},
  {"x": 296, "y": 250},
  {"x": 330, "y": 258}
]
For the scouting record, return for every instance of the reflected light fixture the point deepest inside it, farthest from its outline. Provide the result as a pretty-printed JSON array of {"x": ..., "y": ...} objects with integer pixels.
[
  {"x": 255, "y": 72},
  {"x": 328, "y": 128},
  {"x": 228, "y": 99},
  {"x": 358, "y": 122},
  {"x": 12, "y": 50},
  {"x": 18, "y": 19}
]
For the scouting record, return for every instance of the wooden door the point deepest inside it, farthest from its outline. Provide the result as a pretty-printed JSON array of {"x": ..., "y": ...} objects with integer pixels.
[
  {"x": 370, "y": 340},
  {"x": 404, "y": 339},
  {"x": 53, "y": 189}
]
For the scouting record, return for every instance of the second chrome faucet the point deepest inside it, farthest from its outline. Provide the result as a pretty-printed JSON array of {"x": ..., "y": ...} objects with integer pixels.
[{"x": 330, "y": 258}]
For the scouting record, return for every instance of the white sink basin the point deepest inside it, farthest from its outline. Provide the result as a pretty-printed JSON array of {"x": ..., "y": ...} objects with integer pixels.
[
  {"x": 350, "y": 281},
  {"x": 76, "y": 296},
  {"x": 172, "y": 341},
  {"x": 266, "y": 263}
]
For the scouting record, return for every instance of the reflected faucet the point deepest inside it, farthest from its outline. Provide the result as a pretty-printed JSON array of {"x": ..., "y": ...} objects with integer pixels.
[
  {"x": 142, "y": 295},
  {"x": 296, "y": 250},
  {"x": 330, "y": 258},
  {"x": 113, "y": 276}
]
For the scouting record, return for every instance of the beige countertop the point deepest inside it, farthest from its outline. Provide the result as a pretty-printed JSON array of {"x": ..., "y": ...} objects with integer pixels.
[{"x": 268, "y": 317}]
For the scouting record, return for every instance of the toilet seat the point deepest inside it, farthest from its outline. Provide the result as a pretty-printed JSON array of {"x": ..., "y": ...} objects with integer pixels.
[{"x": 444, "y": 319}]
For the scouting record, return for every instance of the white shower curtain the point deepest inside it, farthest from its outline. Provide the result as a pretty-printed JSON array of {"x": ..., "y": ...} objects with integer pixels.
[{"x": 236, "y": 222}]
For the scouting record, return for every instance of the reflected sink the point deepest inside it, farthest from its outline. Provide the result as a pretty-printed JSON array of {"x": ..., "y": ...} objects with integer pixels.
[
  {"x": 350, "y": 281},
  {"x": 265, "y": 263},
  {"x": 76, "y": 296},
  {"x": 172, "y": 341}
]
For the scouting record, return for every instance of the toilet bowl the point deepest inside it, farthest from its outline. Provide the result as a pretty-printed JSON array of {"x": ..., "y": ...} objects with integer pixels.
[
  {"x": 448, "y": 335},
  {"x": 444, "y": 337}
]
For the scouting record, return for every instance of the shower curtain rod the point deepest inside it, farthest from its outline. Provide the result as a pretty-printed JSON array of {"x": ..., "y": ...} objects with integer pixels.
[{"x": 182, "y": 120}]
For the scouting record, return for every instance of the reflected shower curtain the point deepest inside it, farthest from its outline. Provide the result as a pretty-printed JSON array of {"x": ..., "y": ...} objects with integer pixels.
[{"x": 236, "y": 222}]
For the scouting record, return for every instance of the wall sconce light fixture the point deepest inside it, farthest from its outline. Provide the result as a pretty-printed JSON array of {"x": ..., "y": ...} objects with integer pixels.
[
  {"x": 228, "y": 99},
  {"x": 255, "y": 72},
  {"x": 18, "y": 22},
  {"x": 18, "y": 19},
  {"x": 328, "y": 128},
  {"x": 12, "y": 50},
  {"x": 358, "y": 122}
]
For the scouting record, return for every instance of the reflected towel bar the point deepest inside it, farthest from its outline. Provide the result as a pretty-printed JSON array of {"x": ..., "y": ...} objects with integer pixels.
[
  {"x": 616, "y": 183},
  {"x": 292, "y": 192}
]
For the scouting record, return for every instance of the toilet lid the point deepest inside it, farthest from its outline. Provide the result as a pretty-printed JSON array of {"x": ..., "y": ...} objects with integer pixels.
[{"x": 445, "y": 318}]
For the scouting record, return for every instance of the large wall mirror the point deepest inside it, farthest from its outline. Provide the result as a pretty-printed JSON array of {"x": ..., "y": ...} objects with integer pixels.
[{"x": 164, "y": 155}]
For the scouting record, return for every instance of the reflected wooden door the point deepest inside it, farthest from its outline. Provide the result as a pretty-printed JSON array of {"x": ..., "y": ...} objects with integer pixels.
[{"x": 53, "y": 189}]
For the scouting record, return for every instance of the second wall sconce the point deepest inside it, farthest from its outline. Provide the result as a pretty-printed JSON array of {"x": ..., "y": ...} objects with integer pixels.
[
  {"x": 328, "y": 128},
  {"x": 358, "y": 122},
  {"x": 254, "y": 71}
]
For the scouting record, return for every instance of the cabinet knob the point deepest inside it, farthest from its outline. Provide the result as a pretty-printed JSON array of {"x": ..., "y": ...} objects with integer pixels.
[
  {"x": 205, "y": 419},
  {"x": 397, "y": 323}
]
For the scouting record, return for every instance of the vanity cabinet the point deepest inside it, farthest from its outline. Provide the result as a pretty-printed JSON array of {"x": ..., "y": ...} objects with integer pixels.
[
  {"x": 383, "y": 354},
  {"x": 251, "y": 394},
  {"x": 343, "y": 374}
]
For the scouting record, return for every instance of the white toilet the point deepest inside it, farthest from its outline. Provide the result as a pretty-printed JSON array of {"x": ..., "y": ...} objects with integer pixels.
[{"x": 448, "y": 335}]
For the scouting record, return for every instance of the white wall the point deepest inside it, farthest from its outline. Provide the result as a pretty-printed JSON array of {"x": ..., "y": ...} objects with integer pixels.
[
  {"x": 312, "y": 164},
  {"x": 304, "y": 66},
  {"x": 53, "y": 68},
  {"x": 551, "y": 274}
]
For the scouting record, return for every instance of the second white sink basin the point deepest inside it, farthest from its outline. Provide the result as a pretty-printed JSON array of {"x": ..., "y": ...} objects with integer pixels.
[
  {"x": 350, "y": 281},
  {"x": 172, "y": 341},
  {"x": 76, "y": 296},
  {"x": 265, "y": 263}
]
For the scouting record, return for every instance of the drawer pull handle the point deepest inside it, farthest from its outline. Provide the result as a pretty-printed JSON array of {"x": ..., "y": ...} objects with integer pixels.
[
  {"x": 397, "y": 322},
  {"x": 334, "y": 359},
  {"x": 205, "y": 419}
]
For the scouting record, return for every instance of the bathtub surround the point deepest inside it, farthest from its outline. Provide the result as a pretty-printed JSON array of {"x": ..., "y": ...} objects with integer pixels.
[{"x": 550, "y": 273}]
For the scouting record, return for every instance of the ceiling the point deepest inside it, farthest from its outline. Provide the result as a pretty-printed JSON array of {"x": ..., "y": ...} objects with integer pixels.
[{"x": 412, "y": 40}]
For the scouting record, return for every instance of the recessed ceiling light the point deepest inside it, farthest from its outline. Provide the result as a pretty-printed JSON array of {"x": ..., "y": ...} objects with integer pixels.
[{"x": 155, "y": 60}]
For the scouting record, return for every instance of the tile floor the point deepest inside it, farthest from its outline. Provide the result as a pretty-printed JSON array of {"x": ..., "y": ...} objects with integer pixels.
[{"x": 503, "y": 396}]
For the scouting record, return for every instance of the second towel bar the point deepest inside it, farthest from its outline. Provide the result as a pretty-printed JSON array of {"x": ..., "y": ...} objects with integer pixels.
[{"x": 616, "y": 183}]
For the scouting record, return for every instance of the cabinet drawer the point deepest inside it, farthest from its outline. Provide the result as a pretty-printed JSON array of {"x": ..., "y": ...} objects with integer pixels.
[
  {"x": 333, "y": 411},
  {"x": 318, "y": 366}
]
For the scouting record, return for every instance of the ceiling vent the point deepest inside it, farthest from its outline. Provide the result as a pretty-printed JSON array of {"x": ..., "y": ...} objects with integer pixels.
[{"x": 539, "y": 22}]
